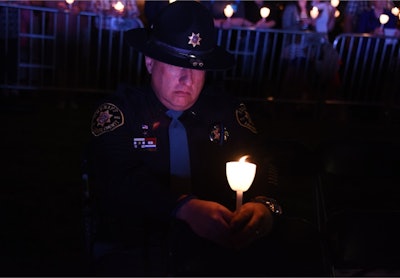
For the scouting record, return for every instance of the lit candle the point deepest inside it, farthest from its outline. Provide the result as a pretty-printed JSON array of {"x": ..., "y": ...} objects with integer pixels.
[
  {"x": 334, "y": 3},
  {"x": 228, "y": 11},
  {"x": 314, "y": 12},
  {"x": 383, "y": 19},
  {"x": 240, "y": 175},
  {"x": 395, "y": 11},
  {"x": 119, "y": 7},
  {"x": 70, "y": 2},
  {"x": 264, "y": 12}
]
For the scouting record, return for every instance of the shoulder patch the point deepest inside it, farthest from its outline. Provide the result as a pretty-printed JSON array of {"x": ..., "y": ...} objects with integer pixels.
[
  {"x": 244, "y": 119},
  {"x": 106, "y": 118}
]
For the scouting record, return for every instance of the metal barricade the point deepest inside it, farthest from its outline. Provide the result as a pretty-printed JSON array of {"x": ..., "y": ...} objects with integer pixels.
[
  {"x": 370, "y": 69},
  {"x": 57, "y": 50},
  {"x": 271, "y": 64}
]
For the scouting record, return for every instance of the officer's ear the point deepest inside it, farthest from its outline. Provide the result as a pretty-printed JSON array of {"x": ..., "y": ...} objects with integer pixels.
[{"x": 149, "y": 64}]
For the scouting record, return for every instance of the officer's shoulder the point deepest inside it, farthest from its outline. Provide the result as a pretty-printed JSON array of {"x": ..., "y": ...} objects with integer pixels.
[
  {"x": 109, "y": 113},
  {"x": 107, "y": 117},
  {"x": 232, "y": 106},
  {"x": 127, "y": 91},
  {"x": 219, "y": 99}
]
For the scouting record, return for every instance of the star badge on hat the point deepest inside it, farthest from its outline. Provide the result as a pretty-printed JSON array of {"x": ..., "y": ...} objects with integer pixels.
[
  {"x": 183, "y": 34},
  {"x": 194, "y": 39}
]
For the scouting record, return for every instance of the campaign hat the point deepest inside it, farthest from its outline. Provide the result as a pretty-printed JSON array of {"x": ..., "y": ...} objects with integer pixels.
[{"x": 183, "y": 35}]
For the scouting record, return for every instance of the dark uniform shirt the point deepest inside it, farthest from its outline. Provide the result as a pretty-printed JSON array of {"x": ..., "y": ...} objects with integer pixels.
[
  {"x": 134, "y": 201},
  {"x": 131, "y": 153}
]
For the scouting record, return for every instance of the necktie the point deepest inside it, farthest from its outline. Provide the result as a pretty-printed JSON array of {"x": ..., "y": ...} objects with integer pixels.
[{"x": 179, "y": 154}]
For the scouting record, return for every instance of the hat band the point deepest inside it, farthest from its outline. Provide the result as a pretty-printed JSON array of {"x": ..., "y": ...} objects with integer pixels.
[{"x": 192, "y": 56}]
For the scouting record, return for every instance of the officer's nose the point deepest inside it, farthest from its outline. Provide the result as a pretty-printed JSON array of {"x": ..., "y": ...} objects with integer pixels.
[{"x": 186, "y": 76}]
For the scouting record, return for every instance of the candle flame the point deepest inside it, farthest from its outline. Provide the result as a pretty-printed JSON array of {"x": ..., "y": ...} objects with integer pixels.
[
  {"x": 314, "y": 12},
  {"x": 383, "y": 18},
  {"x": 264, "y": 12},
  {"x": 395, "y": 11},
  {"x": 228, "y": 11},
  {"x": 243, "y": 158},
  {"x": 334, "y": 3},
  {"x": 119, "y": 6}
]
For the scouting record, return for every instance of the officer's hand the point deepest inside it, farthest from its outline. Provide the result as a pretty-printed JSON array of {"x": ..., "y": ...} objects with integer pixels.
[
  {"x": 207, "y": 219},
  {"x": 252, "y": 221}
]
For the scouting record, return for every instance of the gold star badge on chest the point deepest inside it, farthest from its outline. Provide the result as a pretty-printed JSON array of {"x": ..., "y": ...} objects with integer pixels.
[{"x": 194, "y": 39}]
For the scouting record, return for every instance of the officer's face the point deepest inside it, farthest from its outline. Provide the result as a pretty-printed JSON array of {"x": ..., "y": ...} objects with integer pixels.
[{"x": 177, "y": 88}]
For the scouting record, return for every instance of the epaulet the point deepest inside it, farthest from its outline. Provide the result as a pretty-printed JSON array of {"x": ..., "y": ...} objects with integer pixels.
[
  {"x": 106, "y": 118},
  {"x": 244, "y": 119}
]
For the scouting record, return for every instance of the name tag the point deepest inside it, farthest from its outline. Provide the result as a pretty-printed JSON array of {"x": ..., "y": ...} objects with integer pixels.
[{"x": 147, "y": 143}]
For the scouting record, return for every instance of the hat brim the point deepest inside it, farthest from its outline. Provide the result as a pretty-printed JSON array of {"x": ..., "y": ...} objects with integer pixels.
[{"x": 217, "y": 59}]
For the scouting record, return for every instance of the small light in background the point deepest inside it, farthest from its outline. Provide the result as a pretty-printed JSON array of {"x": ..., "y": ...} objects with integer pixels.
[
  {"x": 395, "y": 11},
  {"x": 264, "y": 12},
  {"x": 335, "y": 3},
  {"x": 314, "y": 13},
  {"x": 383, "y": 19},
  {"x": 228, "y": 11},
  {"x": 119, "y": 6}
]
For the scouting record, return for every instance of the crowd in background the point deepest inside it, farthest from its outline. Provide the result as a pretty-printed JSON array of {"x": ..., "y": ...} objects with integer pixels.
[
  {"x": 290, "y": 15},
  {"x": 351, "y": 16}
]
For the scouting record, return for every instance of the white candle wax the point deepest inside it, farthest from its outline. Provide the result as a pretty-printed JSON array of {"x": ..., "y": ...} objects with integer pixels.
[{"x": 240, "y": 175}]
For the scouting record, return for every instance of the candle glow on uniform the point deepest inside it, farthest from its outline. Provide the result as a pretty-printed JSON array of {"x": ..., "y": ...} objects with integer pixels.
[{"x": 240, "y": 175}]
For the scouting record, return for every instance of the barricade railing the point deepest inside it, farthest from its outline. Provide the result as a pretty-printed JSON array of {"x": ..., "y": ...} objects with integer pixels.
[
  {"x": 274, "y": 65},
  {"x": 59, "y": 51},
  {"x": 370, "y": 70},
  {"x": 56, "y": 50}
]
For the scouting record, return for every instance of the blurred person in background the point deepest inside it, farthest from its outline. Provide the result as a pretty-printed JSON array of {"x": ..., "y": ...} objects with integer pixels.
[
  {"x": 296, "y": 16},
  {"x": 369, "y": 20},
  {"x": 325, "y": 21},
  {"x": 352, "y": 12}
]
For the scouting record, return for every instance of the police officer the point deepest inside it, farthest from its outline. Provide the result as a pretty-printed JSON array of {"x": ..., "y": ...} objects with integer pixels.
[{"x": 158, "y": 218}]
